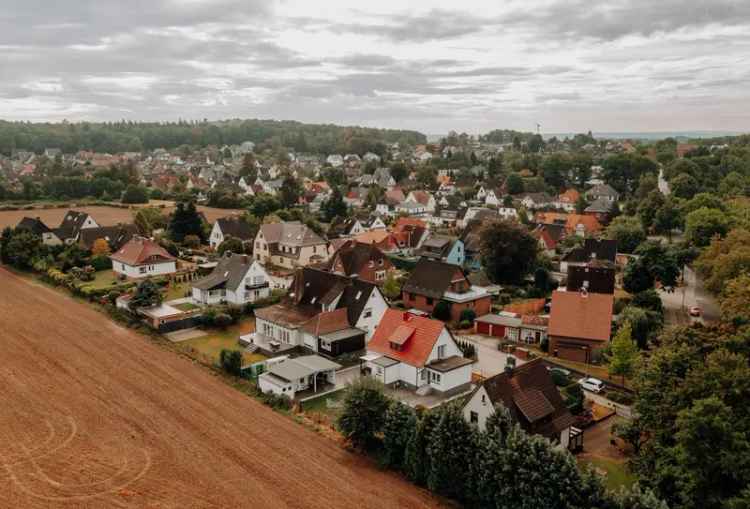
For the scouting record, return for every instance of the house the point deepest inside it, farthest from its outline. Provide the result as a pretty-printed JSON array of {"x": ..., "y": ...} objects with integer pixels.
[
  {"x": 237, "y": 279},
  {"x": 72, "y": 224},
  {"x": 335, "y": 160},
  {"x": 444, "y": 249},
  {"x": 289, "y": 244},
  {"x": 357, "y": 259},
  {"x": 231, "y": 226},
  {"x": 603, "y": 250},
  {"x": 324, "y": 313},
  {"x": 534, "y": 403},
  {"x": 548, "y": 236},
  {"x": 567, "y": 200},
  {"x": 533, "y": 201},
  {"x": 478, "y": 214},
  {"x": 575, "y": 224},
  {"x": 141, "y": 257},
  {"x": 601, "y": 209},
  {"x": 604, "y": 191},
  {"x": 345, "y": 227},
  {"x": 37, "y": 227},
  {"x": 423, "y": 198},
  {"x": 116, "y": 236},
  {"x": 416, "y": 352},
  {"x": 594, "y": 277},
  {"x": 288, "y": 377},
  {"x": 382, "y": 178},
  {"x": 433, "y": 281},
  {"x": 472, "y": 245},
  {"x": 580, "y": 324}
]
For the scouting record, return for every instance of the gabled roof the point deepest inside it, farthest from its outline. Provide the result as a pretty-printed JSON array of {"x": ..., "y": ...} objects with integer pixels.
[
  {"x": 235, "y": 227},
  {"x": 571, "y": 221},
  {"x": 71, "y": 224},
  {"x": 415, "y": 349},
  {"x": 531, "y": 397},
  {"x": 228, "y": 273},
  {"x": 432, "y": 278},
  {"x": 141, "y": 251},
  {"x": 290, "y": 233},
  {"x": 33, "y": 225},
  {"x": 600, "y": 206},
  {"x": 353, "y": 257},
  {"x": 593, "y": 249},
  {"x": 116, "y": 236},
  {"x": 581, "y": 315},
  {"x": 603, "y": 190}
]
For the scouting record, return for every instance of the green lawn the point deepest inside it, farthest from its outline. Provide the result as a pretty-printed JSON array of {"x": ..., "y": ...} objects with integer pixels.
[
  {"x": 617, "y": 471},
  {"x": 217, "y": 340},
  {"x": 186, "y": 306},
  {"x": 177, "y": 291},
  {"x": 320, "y": 405},
  {"x": 103, "y": 279}
]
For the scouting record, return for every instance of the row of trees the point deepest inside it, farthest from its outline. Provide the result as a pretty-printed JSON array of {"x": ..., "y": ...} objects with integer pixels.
[{"x": 501, "y": 467}]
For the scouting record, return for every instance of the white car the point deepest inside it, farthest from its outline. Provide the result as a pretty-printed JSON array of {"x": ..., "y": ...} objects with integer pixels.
[{"x": 592, "y": 384}]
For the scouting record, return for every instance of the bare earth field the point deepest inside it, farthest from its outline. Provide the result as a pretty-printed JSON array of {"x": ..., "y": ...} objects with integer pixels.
[
  {"x": 94, "y": 415},
  {"x": 105, "y": 216}
]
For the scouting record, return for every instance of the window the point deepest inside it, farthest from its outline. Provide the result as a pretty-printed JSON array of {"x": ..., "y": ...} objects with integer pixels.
[
  {"x": 380, "y": 275},
  {"x": 368, "y": 313},
  {"x": 434, "y": 378},
  {"x": 473, "y": 417},
  {"x": 441, "y": 351},
  {"x": 142, "y": 270},
  {"x": 484, "y": 399}
]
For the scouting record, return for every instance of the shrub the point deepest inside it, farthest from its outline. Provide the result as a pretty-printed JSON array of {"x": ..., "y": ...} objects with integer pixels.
[
  {"x": 560, "y": 378},
  {"x": 442, "y": 311},
  {"x": 101, "y": 263},
  {"x": 468, "y": 315},
  {"x": 464, "y": 324},
  {"x": 231, "y": 361},
  {"x": 276, "y": 401},
  {"x": 620, "y": 397},
  {"x": 363, "y": 413},
  {"x": 223, "y": 320}
]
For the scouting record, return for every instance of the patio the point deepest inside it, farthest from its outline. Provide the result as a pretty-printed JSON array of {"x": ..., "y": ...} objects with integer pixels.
[{"x": 266, "y": 345}]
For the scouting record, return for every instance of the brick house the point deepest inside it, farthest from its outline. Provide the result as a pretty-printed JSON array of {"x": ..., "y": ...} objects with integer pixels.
[
  {"x": 433, "y": 281},
  {"x": 580, "y": 324}
]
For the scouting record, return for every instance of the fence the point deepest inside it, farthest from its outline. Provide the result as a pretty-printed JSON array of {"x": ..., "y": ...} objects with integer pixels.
[{"x": 621, "y": 410}]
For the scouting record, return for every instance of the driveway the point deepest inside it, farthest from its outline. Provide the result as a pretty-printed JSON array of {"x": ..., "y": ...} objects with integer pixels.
[{"x": 490, "y": 360}]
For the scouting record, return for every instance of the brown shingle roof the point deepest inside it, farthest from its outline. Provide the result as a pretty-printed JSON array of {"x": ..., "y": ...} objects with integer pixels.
[
  {"x": 141, "y": 251},
  {"x": 579, "y": 315}
]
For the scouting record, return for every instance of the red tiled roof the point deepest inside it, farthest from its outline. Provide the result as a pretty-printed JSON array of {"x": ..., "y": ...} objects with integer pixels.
[
  {"x": 415, "y": 349},
  {"x": 590, "y": 223},
  {"x": 140, "y": 251},
  {"x": 405, "y": 222},
  {"x": 327, "y": 322},
  {"x": 578, "y": 315}
]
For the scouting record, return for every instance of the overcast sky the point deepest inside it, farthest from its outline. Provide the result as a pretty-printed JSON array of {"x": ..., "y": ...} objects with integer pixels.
[{"x": 570, "y": 65}]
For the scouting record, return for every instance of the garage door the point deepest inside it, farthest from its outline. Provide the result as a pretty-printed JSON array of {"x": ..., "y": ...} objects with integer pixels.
[
  {"x": 571, "y": 353},
  {"x": 498, "y": 331},
  {"x": 483, "y": 328}
]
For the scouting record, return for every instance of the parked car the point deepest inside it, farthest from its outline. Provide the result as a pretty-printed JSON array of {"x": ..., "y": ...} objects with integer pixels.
[
  {"x": 592, "y": 384},
  {"x": 695, "y": 311},
  {"x": 562, "y": 371}
]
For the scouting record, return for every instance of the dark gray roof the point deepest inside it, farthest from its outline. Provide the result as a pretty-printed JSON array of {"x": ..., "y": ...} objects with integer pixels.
[
  {"x": 431, "y": 278},
  {"x": 117, "y": 236},
  {"x": 33, "y": 225},
  {"x": 596, "y": 279},
  {"x": 449, "y": 363},
  {"x": 228, "y": 273},
  {"x": 71, "y": 224},
  {"x": 601, "y": 205},
  {"x": 593, "y": 249},
  {"x": 235, "y": 227}
]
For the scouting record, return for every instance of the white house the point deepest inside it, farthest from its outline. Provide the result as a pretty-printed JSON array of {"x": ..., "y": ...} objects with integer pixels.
[
  {"x": 325, "y": 312},
  {"x": 423, "y": 198},
  {"x": 481, "y": 194},
  {"x": 531, "y": 397},
  {"x": 288, "y": 377},
  {"x": 142, "y": 257},
  {"x": 229, "y": 227},
  {"x": 415, "y": 351},
  {"x": 247, "y": 188},
  {"x": 237, "y": 279}
]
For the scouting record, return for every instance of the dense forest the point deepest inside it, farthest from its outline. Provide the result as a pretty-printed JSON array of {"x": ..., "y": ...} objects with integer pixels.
[{"x": 136, "y": 136}]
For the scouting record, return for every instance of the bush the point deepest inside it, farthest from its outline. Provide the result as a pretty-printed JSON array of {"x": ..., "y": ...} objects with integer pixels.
[
  {"x": 544, "y": 345},
  {"x": 363, "y": 414},
  {"x": 276, "y": 401},
  {"x": 223, "y": 320},
  {"x": 620, "y": 397},
  {"x": 101, "y": 263},
  {"x": 560, "y": 378},
  {"x": 231, "y": 361},
  {"x": 442, "y": 311},
  {"x": 468, "y": 315},
  {"x": 464, "y": 324}
]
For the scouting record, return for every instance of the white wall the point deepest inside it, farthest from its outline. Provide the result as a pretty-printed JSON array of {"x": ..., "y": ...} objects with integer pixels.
[
  {"x": 134, "y": 271},
  {"x": 452, "y": 379},
  {"x": 481, "y": 404},
  {"x": 377, "y": 305},
  {"x": 216, "y": 237},
  {"x": 265, "y": 385}
]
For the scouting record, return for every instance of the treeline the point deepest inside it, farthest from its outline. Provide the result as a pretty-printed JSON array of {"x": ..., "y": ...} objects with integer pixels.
[{"x": 114, "y": 137}]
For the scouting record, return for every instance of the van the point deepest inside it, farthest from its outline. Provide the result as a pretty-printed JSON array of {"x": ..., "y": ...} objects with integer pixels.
[{"x": 592, "y": 384}]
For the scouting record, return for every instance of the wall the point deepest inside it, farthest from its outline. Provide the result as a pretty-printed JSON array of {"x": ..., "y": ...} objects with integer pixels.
[
  {"x": 454, "y": 379},
  {"x": 480, "y": 306},
  {"x": 377, "y": 305},
  {"x": 216, "y": 237},
  {"x": 131, "y": 271},
  {"x": 483, "y": 409},
  {"x": 572, "y": 349}
]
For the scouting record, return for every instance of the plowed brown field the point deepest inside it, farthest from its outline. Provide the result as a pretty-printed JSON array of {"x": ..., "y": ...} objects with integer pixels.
[
  {"x": 105, "y": 216},
  {"x": 94, "y": 415}
]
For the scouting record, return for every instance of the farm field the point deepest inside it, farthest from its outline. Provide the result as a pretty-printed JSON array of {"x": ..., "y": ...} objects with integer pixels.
[
  {"x": 97, "y": 416},
  {"x": 105, "y": 216}
]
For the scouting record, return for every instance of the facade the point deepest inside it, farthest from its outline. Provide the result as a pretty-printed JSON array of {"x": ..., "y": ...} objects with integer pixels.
[
  {"x": 360, "y": 260},
  {"x": 237, "y": 279},
  {"x": 414, "y": 351},
  {"x": 432, "y": 281},
  {"x": 225, "y": 227},
  {"x": 142, "y": 257},
  {"x": 288, "y": 377},
  {"x": 531, "y": 397},
  {"x": 443, "y": 249},
  {"x": 580, "y": 324},
  {"x": 290, "y": 245},
  {"x": 325, "y": 313}
]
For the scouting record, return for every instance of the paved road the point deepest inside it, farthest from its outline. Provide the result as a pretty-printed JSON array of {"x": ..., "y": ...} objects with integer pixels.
[
  {"x": 663, "y": 185},
  {"x": 692, "y": 293}
]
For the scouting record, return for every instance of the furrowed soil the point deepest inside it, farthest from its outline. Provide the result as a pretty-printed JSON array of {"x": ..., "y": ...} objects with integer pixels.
[{"x": 95, "y": 415}]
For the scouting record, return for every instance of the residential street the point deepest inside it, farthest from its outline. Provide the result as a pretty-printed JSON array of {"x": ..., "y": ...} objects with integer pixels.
[{"x": 693, "y": 293}]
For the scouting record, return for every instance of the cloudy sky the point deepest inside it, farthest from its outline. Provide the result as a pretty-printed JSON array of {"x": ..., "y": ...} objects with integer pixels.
[{"x": 570, "y": 65}]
